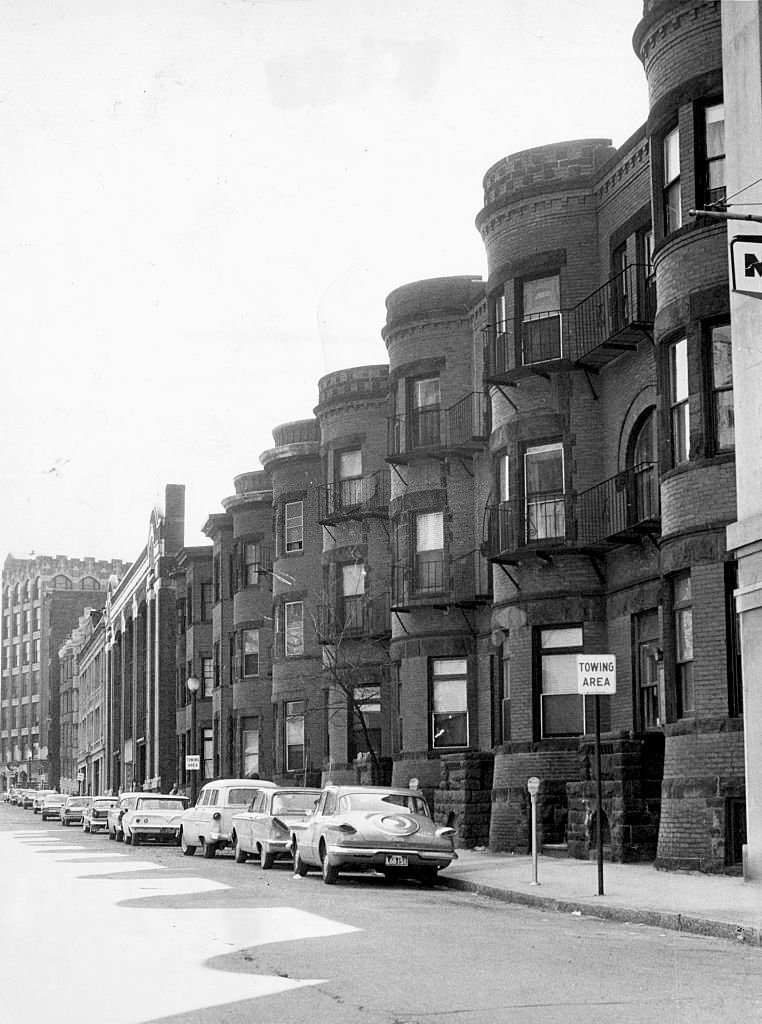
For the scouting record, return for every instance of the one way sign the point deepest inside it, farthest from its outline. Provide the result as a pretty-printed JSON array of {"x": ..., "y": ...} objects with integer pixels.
[{"x": 746, "y": 264}]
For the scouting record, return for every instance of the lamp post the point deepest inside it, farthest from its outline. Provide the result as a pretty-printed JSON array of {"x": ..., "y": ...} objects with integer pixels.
[{"x": 193, "y": 684}]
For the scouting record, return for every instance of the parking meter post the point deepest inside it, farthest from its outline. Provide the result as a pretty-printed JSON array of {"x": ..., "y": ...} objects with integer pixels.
[
  {"x": 599, "y": 792},
  {"x": 533, "y": 786}
]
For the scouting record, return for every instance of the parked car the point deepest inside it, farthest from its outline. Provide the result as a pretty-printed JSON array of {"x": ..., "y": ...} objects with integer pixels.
[
  {"x": 39, "y": 796},
  {"x": 264, "y": 830},
  {"x": 9, "y": 795},
  {"x": 73, "y": 810},
  {"x": 209, "y": 824},
  {"x": 360, "y": 828},
  {"x": 153, "y": 817},
  {"x": 125, "y": 802},
  {"x": 51, "y": 806},
  {"x": 27, "y": 800},
  {"x": 95, "y": 817}
]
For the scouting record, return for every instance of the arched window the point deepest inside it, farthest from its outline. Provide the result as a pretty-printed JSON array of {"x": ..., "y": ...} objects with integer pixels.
[
  {"x": 61, "y": 582},
  {"x": 90, "y": 583},
  {"x": 36, "y": 589},
  {"x": 642, "y": 467}
]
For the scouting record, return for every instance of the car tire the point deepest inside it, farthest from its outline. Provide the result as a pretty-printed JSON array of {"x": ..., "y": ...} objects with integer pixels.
[
  {"x": 330, "y": 871},
  {"x": 187, "y": 849},
  {"x": 127, "y": 839},
  {"x": 135, "y": 839},
  {"x": 300, "y": 868},
  {"x": 209, "y": 849},
  {"x": 266, "y": 860},
  {"x": 240, "y": 856}
]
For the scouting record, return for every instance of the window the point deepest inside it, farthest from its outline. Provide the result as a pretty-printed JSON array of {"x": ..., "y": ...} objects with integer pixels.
[
  {"x": 733, "y": 642},
  {"x": 294, "y": 623},
  {"x": 353, "y": 596},
  {"x": 500, "y": 314},
  {"x": 207, "y": 602},
  {"x": 17, "y": 624},
  {"x": 541, "y": 320},
  {"x": 207, "y": 676},
  {"x": 649, "y": 670},
  {"x": 714, "y": 145},
  {"x": 61, "y": 582},
  {"x": 643, "y": 499},
  {"x": 678, "y": 400},
  {"x": 35, "y": 651},
  {"x": 216, "y": 659},
  {"x": 294, "y": 525},
  {"x": 350, "y": 477},
  {"x": 544, "y": 485},
  {"x": 673, "y": 214},
  {"x": 250, "y": 652},
  {"x": 682, "y": 597},
  {"x": 89, "y": 583},
  {"x": 252, "y": 563},
  {"x": 426, "y": 411},
  {"x": 504, "y": 478},
  {"x": 429, "y": 552},
  {"x": 295, "y": 710},
  {"x": 250, "y": 747},
  {"x": 449, "y": 706},
  {"x": 208, "y": 748},
  {"x": 365, "y": 710},
  {"x": 722, "y": 388},
  {"x": 180, "y": 612},
  {"x": 561, "y": 707}
]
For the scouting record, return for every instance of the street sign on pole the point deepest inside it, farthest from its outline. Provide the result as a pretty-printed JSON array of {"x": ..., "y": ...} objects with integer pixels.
[
  {"x": 596, "y": 675},
  {"x": 192, "y": 762}
]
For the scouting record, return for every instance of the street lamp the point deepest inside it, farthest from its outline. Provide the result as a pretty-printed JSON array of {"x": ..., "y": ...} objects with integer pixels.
[{"x": 194, "y": 685}]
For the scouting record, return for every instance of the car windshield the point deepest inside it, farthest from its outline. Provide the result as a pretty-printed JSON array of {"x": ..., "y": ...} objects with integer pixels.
[
  {"x": 240, "y": 797},
  {"x": 166, "y": 804},
  {"x": 104, "y": 803},
  {"x": 382, "y": 801},
  {"x": 79, "y": 801},
  {"x": 293, "y": 803}
]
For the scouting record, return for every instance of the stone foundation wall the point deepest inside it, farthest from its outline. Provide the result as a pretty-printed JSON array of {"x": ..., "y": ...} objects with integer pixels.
[{"x": 463, "y": 799}]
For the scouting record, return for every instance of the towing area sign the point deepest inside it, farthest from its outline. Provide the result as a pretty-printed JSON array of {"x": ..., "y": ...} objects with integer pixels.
[{"x": 596, "y": 673}]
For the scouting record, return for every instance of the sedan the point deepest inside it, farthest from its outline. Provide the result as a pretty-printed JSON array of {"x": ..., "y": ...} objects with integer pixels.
[
  {"x": 73, "y": 810},
  {"x": 264, "y": 830},
  {"x": 96, "y": 815},
  {"x": 153, "y": 817},
  {"x": 361, "y": 828},
  {"x": 52, "y": 805}
]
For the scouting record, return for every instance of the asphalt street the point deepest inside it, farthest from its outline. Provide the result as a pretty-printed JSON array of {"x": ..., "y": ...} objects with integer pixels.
[{"x": 96, "y": 931}]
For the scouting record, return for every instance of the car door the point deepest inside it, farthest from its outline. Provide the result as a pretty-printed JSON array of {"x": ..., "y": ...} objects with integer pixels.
[
  {"x": 250, "y": 825},
  {"x": 192, "y": 827}
]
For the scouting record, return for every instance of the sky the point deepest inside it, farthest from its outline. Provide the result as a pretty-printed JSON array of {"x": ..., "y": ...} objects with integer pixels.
[{"x": 204, "y": 204}]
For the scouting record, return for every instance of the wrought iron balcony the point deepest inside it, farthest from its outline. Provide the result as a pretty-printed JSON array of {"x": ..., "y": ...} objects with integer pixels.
[
  {"x": 615, "y": 317},
  {"x": 441, "y": 581},
  {"x": 622, "y": 509},
  {"x": 353, "y": 618},
  {"x": 541, "y": 522},
  {"x": 611, "y": 320},
  {"x": 355, "y": 498},
  {"x": 463, "y": 427}
]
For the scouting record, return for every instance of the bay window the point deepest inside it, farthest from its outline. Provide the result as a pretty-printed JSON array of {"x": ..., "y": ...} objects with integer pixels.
[
  {"x": 429, "y": 552},
  {"x": 562, "y": 710},
  {"x": 293, "y": 613},
  {"x": 294, "y": 526},
  {"x": 349, "y": 472},
  {"x": 352, "y": 596},
  {"x": 250, "y": 652},
  {"x": 425, "y": 411},
  {"x": 544, "y": 492},
  {"x": 714, "y": 147},
  {"x": 541, "y": 320}
]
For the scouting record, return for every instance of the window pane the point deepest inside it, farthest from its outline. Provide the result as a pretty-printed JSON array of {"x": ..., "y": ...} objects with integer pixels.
[
  {"x": 541, "y": 295},
  {"x": 505, "y": 480},
  {"x": 251, "y": 652},
  {"x": 722, "y": 357},
  {"x": 569, "y": 637},
  {"x": 671, "y": 156},
  {"x": 725, "y": 420},
  {"x": 294, "y": 629},
  {"x": 368, "y": 698},
  {"x": 683, "y": 590},
  {"x": 715, "y": 130},
  {"x": 679, "y": 371},
  {"x": 350, "y": 464},
  {"x": 449, "y": 695},
  {"x": 559, "y": 673},
  {"x": 426, "y": 393},
  {"x": 294, "y": 522},
  {"x": 562, "y": 715},
  {"x": 250, "y": 744},
  {"x": 545, "y": 470},
  {"x": 353, "y": 580},
  {"x": 684, "y": 634},
  {"x": 429, "y": 532},
  {"x": 449, "y": 667},
  {"x": 450, "y": 730}
]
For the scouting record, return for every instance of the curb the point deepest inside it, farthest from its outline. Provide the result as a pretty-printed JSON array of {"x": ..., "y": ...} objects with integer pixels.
[{"x": 688, "y": 924}]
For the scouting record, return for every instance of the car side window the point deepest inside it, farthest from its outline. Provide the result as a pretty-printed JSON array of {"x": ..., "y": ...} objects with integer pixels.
[
  {"x": 330, "y": 804},
  {"x": 214, "y": 796}
]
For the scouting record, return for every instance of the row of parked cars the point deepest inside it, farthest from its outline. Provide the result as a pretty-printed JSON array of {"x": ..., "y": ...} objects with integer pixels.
[{"x": 330, "y": 830}]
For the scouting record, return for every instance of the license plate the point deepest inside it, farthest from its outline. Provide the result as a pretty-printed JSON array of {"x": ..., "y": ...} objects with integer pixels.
[{"x": 395, "y": 860}]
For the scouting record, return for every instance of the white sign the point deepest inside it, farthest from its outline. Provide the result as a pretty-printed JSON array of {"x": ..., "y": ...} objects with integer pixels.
[
  {"x": 596, "y": 673},
  {"x": 746, "y": 263},
  {"x": 80, "y": 776},
  {"x": 192, "y": 762}
]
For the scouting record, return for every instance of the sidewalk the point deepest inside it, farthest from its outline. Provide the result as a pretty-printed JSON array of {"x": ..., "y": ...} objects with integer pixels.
[{"x": 717, "y": 905}]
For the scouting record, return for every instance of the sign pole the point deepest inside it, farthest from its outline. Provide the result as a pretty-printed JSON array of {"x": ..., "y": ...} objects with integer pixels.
[
  {"x": 599, "y": 792},
  {"x": 533, "y": 785}
]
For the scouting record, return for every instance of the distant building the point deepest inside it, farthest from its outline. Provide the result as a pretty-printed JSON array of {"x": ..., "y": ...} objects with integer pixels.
[
  {"x": 74, "y": 696},
  {"x": 43, "y": 598}
]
